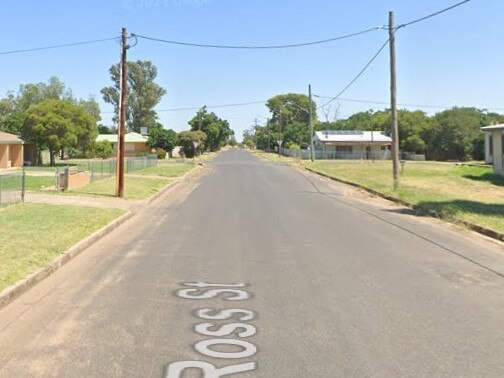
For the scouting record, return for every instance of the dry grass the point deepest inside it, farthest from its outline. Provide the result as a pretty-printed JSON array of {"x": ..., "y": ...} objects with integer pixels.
[{"x": 457, "y": 192}]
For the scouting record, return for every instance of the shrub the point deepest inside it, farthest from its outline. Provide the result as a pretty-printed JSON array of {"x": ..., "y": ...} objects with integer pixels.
[
  {"x": 294, "y": 146},
  {"x": 161, "y": 153},
  {"x": 103, "y": 149}
]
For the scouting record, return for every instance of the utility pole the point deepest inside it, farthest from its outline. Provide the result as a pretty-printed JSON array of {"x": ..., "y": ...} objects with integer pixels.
[
  {"x": 393, "y": 102},
  {"x": 310, "y": 114},
  {"x": 122, "y": 117}
]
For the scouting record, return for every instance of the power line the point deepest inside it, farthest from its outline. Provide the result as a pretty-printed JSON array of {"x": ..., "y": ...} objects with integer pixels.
[
  {"x": 432, "y": 14},
  {"x": 359, "y": 74},
  {"x": 57, "y": 46},
  {"x": 207, "y": 106},
  {"x": 266, "y": 47},
  {"x": 213, "y": 106},
  {"x": 401, "y": 104}
]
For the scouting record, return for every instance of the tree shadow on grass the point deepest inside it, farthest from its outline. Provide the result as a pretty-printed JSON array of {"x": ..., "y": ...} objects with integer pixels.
[
  {"x": 451, "y": 208},
  {"x": 487, "y": 177}
]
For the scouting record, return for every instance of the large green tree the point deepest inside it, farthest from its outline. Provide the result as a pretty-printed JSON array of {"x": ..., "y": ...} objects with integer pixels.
[
  {"x": 13, "y": 107},
  {"x": 217, "y": 130},
  {"x": 58, "y": 124},
  {"x": 187, "y": 139},
  {"x": 159, "y": 137},
  {"x": 143, "y": 94},
  {"x": 290, "y": 121}
]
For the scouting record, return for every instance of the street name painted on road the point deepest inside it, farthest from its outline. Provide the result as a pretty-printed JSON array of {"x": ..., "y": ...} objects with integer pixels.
[{"x": 241, "y": 330}]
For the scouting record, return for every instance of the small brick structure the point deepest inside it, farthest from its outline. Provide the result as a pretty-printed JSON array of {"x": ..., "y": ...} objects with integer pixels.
[
  {"x": 11, "y": 151},
  {"x": 69, "y": 179}
]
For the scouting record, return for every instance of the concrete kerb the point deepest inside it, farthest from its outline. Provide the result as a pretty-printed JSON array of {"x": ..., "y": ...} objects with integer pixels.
[
  {"x": 10, "y": 293},
  {"x": 421, "y": 210}
]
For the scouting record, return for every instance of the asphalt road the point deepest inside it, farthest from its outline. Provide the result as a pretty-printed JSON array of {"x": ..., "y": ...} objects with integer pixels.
[{"x": 268, "y": 272}]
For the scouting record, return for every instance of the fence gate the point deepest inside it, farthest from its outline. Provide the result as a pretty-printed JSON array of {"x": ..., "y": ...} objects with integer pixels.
[{"x": 12, "y": 188}]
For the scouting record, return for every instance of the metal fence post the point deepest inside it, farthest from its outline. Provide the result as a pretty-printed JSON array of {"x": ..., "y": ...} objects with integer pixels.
[{"x": 23, "y": 186}]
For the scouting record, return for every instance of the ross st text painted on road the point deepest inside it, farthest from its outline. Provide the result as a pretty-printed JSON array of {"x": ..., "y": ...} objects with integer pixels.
[{"x": 229, "y": 334}]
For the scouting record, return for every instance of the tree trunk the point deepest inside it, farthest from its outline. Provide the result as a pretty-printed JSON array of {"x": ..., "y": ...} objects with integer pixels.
[{"x": 52, "y": 155}]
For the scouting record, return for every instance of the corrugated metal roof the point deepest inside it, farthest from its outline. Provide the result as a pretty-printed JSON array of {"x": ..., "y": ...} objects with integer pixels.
[
  {"x": 6, "y": 138},
  {"x": 499, "y": 127},
  {"x": 352, "y": 136},
  {"x": 128, "y": 138}
]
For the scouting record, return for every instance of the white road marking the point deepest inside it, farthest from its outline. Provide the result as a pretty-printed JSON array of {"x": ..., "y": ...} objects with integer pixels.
[{"x": 203, "y": 347}]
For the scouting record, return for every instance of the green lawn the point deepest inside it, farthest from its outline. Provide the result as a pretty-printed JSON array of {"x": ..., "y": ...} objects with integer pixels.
[
  {"x": 32, "y": 235},
  {"x": 31, "y": 182},
  {"x": 166, "y": 169},
  {"x": 135, "y": 188},
  {"x": 456, "y": 192}
]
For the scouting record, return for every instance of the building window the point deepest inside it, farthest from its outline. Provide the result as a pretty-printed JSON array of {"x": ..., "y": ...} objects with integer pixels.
[{"x": 346, "y": 149}]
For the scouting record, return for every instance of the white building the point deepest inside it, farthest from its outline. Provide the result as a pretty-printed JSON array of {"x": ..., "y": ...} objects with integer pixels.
[
  {"x": 494, "y": 147},
  {"x": 353, "y": 144}
]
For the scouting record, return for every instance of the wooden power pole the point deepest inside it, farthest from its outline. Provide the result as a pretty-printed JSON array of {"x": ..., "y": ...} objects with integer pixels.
[
  {"x": 122, "y": 116},
  {"x": 393, "y": 102}
]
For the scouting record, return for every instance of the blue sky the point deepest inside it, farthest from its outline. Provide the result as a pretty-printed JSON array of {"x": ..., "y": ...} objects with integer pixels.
[{"x": 453, "y": 59}]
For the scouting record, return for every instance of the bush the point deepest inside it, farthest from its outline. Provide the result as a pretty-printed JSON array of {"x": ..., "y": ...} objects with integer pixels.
[
  {"x": 294, "y": 146},
  {"x": 103, "y": 149},
  {"x": 161, "y": 153}
]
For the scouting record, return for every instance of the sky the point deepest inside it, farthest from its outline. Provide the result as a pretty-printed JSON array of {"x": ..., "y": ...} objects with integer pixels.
[{"x": 454, "y": 59}]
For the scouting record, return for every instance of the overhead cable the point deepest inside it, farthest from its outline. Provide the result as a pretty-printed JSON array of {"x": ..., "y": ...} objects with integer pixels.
[
  {"x": 432, "y": 14},
  {"x": 359, "y": 74},
  {"x": 252, "y": 47},
  {"x": 57, "y": 46}
]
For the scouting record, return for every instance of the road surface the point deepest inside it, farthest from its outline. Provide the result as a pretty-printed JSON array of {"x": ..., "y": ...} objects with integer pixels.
[{"x": 257, "y": 270}]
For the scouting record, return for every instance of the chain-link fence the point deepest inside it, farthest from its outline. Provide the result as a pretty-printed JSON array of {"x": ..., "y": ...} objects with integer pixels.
[
  {"x": 323, "y": 155},
  {"x": 103, "y": 169},
  {"x": 141, "y": 162},
  {"x": 12, "y": 188}
]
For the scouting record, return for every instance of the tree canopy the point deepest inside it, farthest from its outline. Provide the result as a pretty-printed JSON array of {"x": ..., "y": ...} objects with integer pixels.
[
  {"x": 186, "y": 139},
  {"x": 159, "y": 137},
  {"x": 143, "y": 94},
  {"x": 217, "y": 130},
  {"x": 57, "y": 124}
]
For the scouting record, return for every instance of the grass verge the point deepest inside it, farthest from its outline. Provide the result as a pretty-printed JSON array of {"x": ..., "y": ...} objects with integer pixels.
[
  {"x": 135, "y": 188},
  {"x": 166, "y": 169},
  {"x": 455, "y": 192},
  {"x": 32, "y": 235}
]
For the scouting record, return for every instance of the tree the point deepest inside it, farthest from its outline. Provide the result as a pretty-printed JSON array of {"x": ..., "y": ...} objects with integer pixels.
[
  {"x": 57, "y": 124},
  {"x": 290, "y": 118},
  {"x": 13, "y": 122},
  {"x": 454, "y": 133},
  {"x": 30, "y": 94},
  {"x": 102, "y": 129},
  {"x": 143, "y": 94},
  {"x": 159, "y": 137},
  {"x": 217, "y": 130},
  {"x": 186, "y": 139},
  {"x": 249, "y": 137},
  {"x": 91, "y": 107},
  {"x": 103, "y": 149}
]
